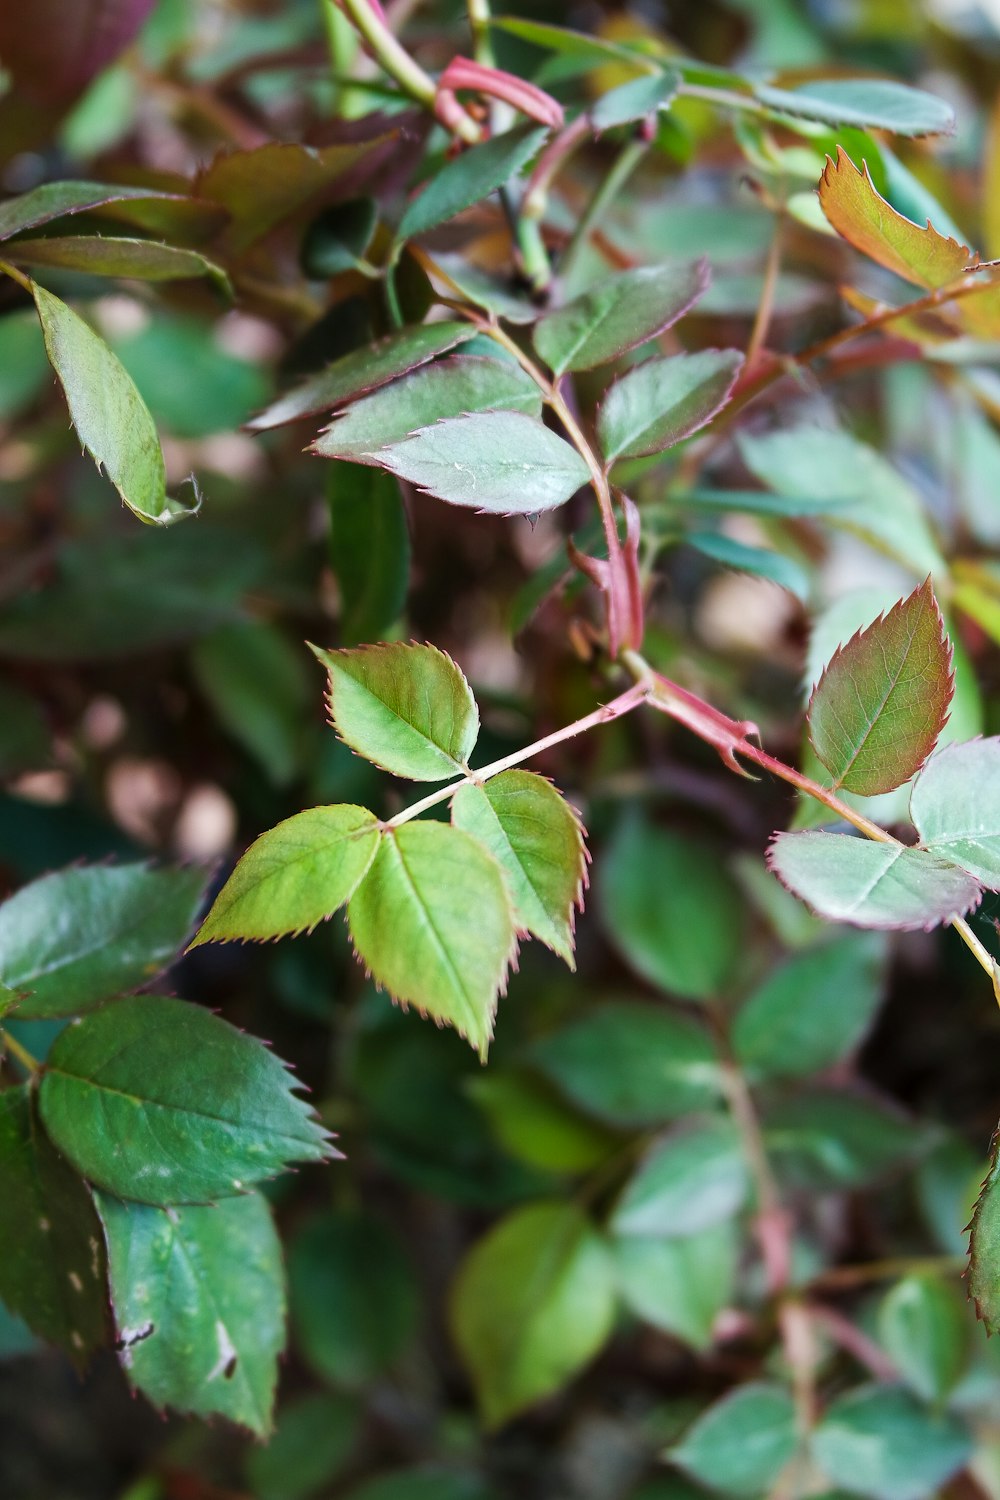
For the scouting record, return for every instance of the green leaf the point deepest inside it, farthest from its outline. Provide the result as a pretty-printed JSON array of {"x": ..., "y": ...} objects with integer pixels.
[
  {"x": 635, "y": 100},
  {"x": 470, "y": 283},
  {"x": 533, "y": 1124},
  {"x": 51, "y": 1266},
  {"x": 664, "y": 401},
  {"x": 813, "y": 1010},
  {"x": 338, "y": 237},
  {"x": 161, "y": 1101},
  {"x": 877, "y": 711},
  {"x": 73, "y": 938},
  {"x": 984, "y": 1245},
  {"x": 199, "y": 1302},
  {"x": 192, "y": 385},
  {"x": 407, "y": 708},
  {"x": 369, "y": 546},
  {"x": 532, "y": 1303},
  {"x": 315, "y": 1439},
  {"x": 452, "y": 387},
  {"x": 816, "y": 464},
  {"x": 923, "y": 1327},
  {"x": 679, "y": 1285},
  {"x": 362, "y": 370},
  {"x": 24, "y": 367},
  {"x": 863, "y": 217},
  {"x": 870, "y": 103},
  {"x": 111, "y": 419},
  {"x": 878, "y": 1442},
  {"x": 113, "y": 255},
  {"x": 537, "y": 839},
  {"x": 693, "y": 1177},
  {"x": 848, "y": 879},
  {"x": 760, "y": 561},
  {"x": 293, "y": 876},
  {"x": 632, "y": 1065},
  {"x": 838, "y": 1139},
  {"x": 955, "y": 807},
  {"x": 353, "y": 1299},
  {"x": 409, "y": 922},
  {"x": 499, "y": 462},
  {"x": 741, "y": 1444},
  {"x": 469, "y": 178},
  {"x": 258, "y": 686},
  {"x": 142, "y": 206},
  {"x": 619, "y": 313},
  {"x": 671, "y": 909}
]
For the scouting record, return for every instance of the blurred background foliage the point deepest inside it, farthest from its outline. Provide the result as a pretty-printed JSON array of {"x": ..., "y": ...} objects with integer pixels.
[{"x": 156, "y": 700}]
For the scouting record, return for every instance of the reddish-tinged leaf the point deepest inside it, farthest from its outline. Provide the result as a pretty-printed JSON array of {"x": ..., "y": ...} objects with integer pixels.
[
  {"x": 52, "y": 50},
  {"x": 854, "y": 208},
  {"x": 878, "y": 709}
]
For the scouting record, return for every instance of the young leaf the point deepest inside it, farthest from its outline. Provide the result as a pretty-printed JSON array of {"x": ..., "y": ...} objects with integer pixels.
[
  {"x": 111, "y": 419},
  {"x": 199, "y": 1302},
  {"x": 537, "y": 840},
  {"x": 501, "y": 462},
  {"x": 664, "y": 401},
  {"x": 849, "y": 879},
  {"x": 742, "y": 1443},
  {"x": 870, "y": 103},
  {"x": 72, "y": 939},
  {"x": 353, "y": 1298},
  {"x": 877, "y": 711},
  {"x": 51, "y": 1266},
  {"x": 111, "y": 255},
  {"x": 407, "y": 708},
  {"x": 619, "y": 313},
  {"x": 161, "y": 1101},
  {"x": 693, "y": 1177},
  {"x": 362, "y": 370},
  {"x": 679, "y": 1285},
  {"x": 671, "y": 909},
  {"x": 955, "y": 807},
  {"x": 451, "y": 388},
  {"x": 856, "y": 211},
  {"x": 876, "y": 1440},
  {"x": 369, "y": 546},
  {"x": 413, "y": 926},
  {"x": 533, "y": 1302},
  {"x": 632, "y": 1065},
  {"x": 984, "y": 1245},
  {"x": 812, "y": 1010},
  {"x": 293, "y": 876},
  {"x": 470, "y": 178},
  {"x": 923, "y": 1327}
]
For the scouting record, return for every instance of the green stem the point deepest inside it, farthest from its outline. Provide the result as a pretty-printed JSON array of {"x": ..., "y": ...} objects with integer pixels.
[
  {"x": 24, "y": 1057},
  {"x": 482, "y": 37},
  {"x": 398, "y": 63},
  {"x": 624, "y": 165},
  {"x": 16, "y": 275},
  {"x": 623, "y": 704}
]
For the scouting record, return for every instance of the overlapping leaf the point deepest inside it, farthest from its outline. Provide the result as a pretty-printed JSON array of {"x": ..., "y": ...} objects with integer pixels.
[
  {"x": 878, "y": 709},
  {"x": 869, "y": 103},
  {"x": 537, "y": 839},
  {"x": 693, "y": 1177},
  {"x": 618, "y": 314},
  {"x": 199, "y": 1302},
  {"x": 470, "y": 178},
  {"x": 984, "y": 1245},
  {"x": 408, "y": 708},
  {"x": 664, "y": 401},
  {"x": 114, "y": 255},
  {"x": 293, "y": 876},
  {"x": 740, "y": 1445},
  {"x": 161, "y": 1101},
  {"x": 955, "y": 806}
]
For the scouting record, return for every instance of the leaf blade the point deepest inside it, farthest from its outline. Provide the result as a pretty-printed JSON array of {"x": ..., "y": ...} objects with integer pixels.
[
  {"x": 619, "y": 314},
  {"x": 955, "y": 808},
  {"x": 664, "y": 401},
  {"x": 470, "y": 178}
]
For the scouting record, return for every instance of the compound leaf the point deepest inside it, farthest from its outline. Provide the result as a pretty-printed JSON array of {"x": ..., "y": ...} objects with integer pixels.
[
  {"x": 432, "y": 922},
  {"x": 294, "y": 876},
  {"x": 164, "y": 1102},
  {"x": 537, "y": 840},
  {"x": 199, "y": 1302},
  {"x": 407, "y": 708}
]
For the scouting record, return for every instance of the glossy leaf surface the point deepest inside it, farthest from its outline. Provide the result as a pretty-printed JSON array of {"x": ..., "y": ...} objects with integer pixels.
[
  {"x": 742, "y": 1443},
  {"x": 537, "y": 840},
  {"x": 161, "y": 1101},
  {"x": 199, "y": 1303},
  {"x": 407, "y": 708},
  {"x": 877, "y": 1441},
  {"x": 850, "y": 879},
  {"x": 693, "y": 1178},
  {"x": 294, "y": 876},
  {"x": 533, "y": 1302},
  {"x": 410, "y": 925},
  {"x": 72, "y": 939},
  {"x": 503, "y": 462},
  {"x": 618, "y": 314}
]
